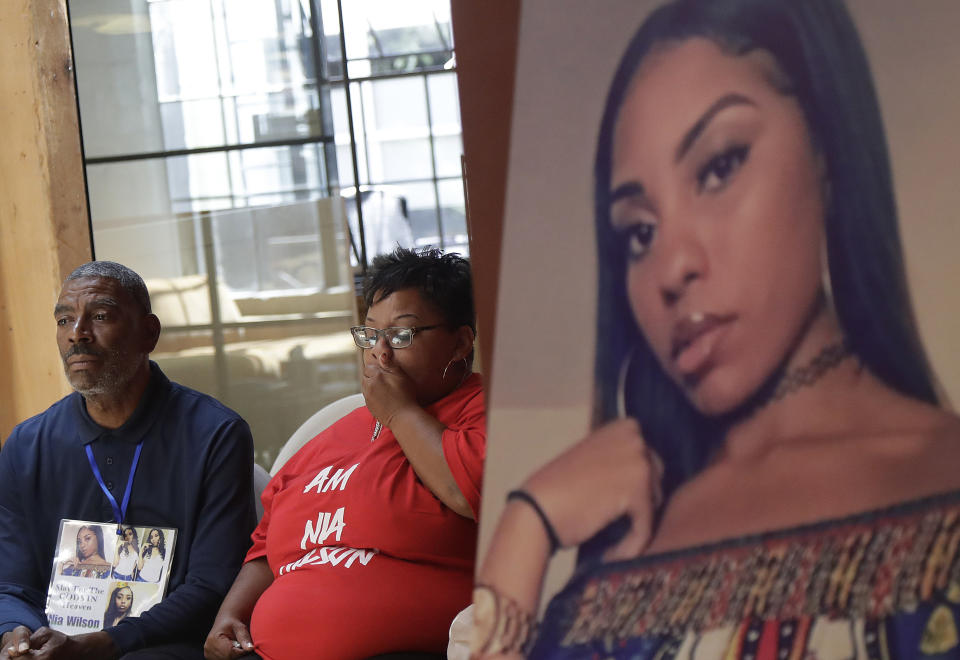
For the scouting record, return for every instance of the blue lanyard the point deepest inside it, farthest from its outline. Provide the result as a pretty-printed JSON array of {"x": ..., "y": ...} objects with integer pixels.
[{"x": 119, "y": 511}]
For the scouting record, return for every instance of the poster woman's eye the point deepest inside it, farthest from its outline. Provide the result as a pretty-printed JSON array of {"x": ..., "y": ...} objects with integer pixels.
[
  {"x": 717, "y": 172},
  {"x": 639, "y": 236}
]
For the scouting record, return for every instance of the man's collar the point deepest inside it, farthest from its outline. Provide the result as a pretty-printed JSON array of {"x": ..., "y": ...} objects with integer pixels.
[{"x": 143, "y": 417}]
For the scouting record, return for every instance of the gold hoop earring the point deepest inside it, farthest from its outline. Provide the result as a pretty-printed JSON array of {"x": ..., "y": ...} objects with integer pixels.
[{"x": 466, "y": 368}]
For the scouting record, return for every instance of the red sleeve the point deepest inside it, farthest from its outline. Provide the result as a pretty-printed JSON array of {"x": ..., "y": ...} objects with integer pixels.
[{"x": 465, "y": 447}]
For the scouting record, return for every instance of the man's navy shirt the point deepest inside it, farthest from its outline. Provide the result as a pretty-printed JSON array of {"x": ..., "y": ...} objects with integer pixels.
[{"x": 194, "y": 474}]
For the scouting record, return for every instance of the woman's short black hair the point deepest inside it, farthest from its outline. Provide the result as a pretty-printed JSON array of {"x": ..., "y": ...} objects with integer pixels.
[
  {"x": 442, "y": 279},
  {"x": 818, "y": 51}
]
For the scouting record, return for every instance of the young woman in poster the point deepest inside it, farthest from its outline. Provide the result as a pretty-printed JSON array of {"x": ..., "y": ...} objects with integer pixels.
[
  {"x": 88, "y": 560},
  {"x": 128, "y": 550},
  {"x": 770, "y": 474},
  {"x": 152, "y": 556},
  {"x": 119, "y": 606}
]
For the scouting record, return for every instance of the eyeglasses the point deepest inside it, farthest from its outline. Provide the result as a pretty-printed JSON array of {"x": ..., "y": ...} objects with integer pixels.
[{"x": 365, "y": 337}]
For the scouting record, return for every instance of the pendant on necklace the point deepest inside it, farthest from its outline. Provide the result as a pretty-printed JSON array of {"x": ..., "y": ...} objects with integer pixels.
[{"x": 376, "y": 430}]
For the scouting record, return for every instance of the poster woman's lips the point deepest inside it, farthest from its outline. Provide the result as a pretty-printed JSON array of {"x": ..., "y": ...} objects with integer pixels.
[{"x": 694, "y": 340}]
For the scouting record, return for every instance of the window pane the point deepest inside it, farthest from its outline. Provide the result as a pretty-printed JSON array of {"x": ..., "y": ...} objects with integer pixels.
[
  {"x": 387, "y": 37},
  {"x": 184, "y": 74},
  {"x": 117, "y": 87},
  {"x": 398, "y": 105},
  {"x": 448, "y": 150},
  {"x": 402, "y": 160},
  {"x": 118, "y": 190},
  {"x": 453, "y": 213},
  {"x": 444, "y": 102},
  {"x": 338, "y": 103},
  {"x": 421, "y": 199}
]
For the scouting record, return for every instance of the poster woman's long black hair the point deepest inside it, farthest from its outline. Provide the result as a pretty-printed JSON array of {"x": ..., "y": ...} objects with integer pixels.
[{"x": 818, "y": 50}]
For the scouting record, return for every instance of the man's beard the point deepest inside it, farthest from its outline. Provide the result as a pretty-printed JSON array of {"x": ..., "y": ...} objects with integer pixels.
[{"x": 118, "y": 370}]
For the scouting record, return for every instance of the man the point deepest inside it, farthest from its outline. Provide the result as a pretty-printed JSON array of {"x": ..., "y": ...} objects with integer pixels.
[{"x": 192, "y": 472}]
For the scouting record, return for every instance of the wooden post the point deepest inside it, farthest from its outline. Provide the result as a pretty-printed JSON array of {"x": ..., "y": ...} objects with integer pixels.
[
  {"x": 485, "y": 38},
  {"x": 44, "y": 231}
]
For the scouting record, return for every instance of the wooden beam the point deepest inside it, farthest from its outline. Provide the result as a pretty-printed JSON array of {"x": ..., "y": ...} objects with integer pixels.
[
  {"x": 485, "y": 40},
  {"x": 44, "y": 229}
]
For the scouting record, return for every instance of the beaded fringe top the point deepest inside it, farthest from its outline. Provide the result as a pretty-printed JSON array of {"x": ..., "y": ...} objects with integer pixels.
[{"x": 867, "y": 566}]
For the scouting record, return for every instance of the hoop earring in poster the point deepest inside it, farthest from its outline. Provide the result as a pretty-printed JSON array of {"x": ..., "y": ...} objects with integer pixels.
[
  {"x": 622, "y": 385},
  {"x": 825, "y": 281}
]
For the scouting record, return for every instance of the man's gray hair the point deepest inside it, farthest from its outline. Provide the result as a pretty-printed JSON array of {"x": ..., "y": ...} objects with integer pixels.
[{"x": 129, "y": 281}]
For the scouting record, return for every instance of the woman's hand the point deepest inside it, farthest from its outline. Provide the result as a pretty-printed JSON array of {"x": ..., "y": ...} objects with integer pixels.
[
  {"x": 608, "y": 474},
  {"x": 229, "y": 638},
  {"x": 391, "y": 398},
  {"x": 387, "y": 389}
]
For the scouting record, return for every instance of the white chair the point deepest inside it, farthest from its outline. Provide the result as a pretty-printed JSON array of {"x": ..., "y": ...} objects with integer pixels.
[
  {"x": 260, "y": 480},
  {"x": 459, "y": 646},
  {"x": 317, "y": 422}
]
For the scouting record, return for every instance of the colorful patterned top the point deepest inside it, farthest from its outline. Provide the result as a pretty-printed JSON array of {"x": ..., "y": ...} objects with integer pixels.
[{"x": 884, "y": 584}]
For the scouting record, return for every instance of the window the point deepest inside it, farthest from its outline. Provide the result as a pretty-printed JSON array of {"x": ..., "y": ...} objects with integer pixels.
[{"x": 228, "y": 165}]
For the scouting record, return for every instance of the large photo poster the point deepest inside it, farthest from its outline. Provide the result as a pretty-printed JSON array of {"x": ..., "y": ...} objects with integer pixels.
[{"x": 743, "y": 238}]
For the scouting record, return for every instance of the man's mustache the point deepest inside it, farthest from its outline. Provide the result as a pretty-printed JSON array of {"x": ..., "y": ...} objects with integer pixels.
[{"x": 81, "y": 349}]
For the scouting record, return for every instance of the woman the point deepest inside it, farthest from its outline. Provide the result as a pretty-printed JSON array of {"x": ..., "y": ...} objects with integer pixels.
[
  {"x": 793, "y": 492},
  {"x": 88, "y": 560},
  {"x": 128, "y": 550},
  {"x": 120, "y": 605},
  {"x": 152, "y": 556},
  {"x": 368, "y": 536}
]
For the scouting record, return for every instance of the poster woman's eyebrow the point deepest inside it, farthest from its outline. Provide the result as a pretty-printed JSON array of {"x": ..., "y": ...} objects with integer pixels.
[
  {"x": 701, "y": 124},
  {"x": 624, "y": 190}
]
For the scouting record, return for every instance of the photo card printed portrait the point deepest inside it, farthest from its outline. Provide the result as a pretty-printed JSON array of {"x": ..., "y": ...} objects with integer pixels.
[{"x": 100, "y": 577}]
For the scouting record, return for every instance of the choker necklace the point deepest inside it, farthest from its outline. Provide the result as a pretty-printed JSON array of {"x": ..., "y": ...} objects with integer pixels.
[
  {"x": 828, "y": 358},
  {"x": 376, "y": 430}
]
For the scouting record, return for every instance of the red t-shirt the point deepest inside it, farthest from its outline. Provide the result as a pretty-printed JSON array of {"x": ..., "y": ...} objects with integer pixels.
[{"x": 365, "y": 559}]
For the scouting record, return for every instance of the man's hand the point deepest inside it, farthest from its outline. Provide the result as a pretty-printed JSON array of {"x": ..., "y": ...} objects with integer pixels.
[
  {"x": 15, "y": 643},
  {"x": 228, "y": 639},
  {"x": 48, "y": 644}
]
